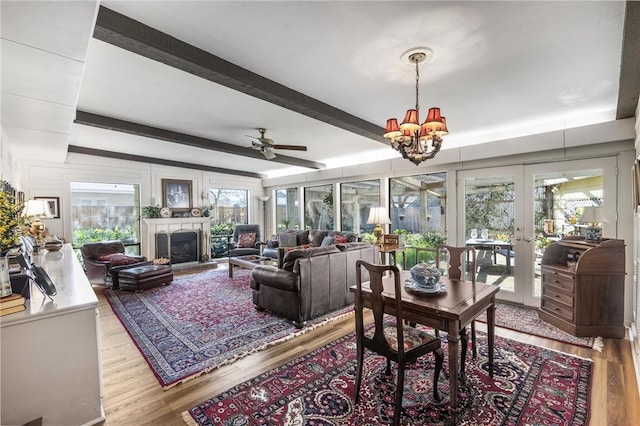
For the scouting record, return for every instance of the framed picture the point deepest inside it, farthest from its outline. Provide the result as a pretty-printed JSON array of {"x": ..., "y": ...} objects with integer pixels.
[
  {"x": 54, "y": 205},
  {"x": 176, "y": 194}
]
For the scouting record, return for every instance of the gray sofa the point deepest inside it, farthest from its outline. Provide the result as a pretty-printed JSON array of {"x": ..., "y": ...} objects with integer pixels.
[
  {"x": 275, "y": 248},
  {"x": 311, "y": 282}
]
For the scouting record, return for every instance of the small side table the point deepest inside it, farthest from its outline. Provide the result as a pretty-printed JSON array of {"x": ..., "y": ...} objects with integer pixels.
[{"x": 391, "y": 250}]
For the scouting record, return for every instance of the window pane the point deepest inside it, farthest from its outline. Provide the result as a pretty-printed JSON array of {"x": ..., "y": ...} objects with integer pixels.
[
  {"x": 318, "y": 202},
  {"x": 418, "y": 203},
  {"x": 229, "y": 206},
  {"x": 356, "y": 199},
  {"x": 101, "y": 211},
  {"x": 287, "y": 209}
]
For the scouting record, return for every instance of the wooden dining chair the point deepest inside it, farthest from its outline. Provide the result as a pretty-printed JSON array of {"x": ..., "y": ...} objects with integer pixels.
[
  {"x": 457, "y": 258},
  {"x": 391, "y": 338}
]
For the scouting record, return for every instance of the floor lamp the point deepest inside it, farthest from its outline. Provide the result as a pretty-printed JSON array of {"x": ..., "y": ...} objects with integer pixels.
[{"x": 264, "y": 199}]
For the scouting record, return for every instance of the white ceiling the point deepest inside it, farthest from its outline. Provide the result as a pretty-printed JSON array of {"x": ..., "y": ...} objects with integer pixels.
[{"x": 500, "y": 70}]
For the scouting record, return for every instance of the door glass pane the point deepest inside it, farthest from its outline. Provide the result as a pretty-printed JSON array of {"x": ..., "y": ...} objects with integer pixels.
[
  {"x": 356, "y": 199},
  {"x": 287, "y": 209},
  {"x": 105, "y": 211},
  {"x": 227, "y": 208},
  {"x": 418, "y": 207},
  {"x": 560, "y": 198},
  {"x": 318, "y": 202},
  {"x": 489, "y": 223}
]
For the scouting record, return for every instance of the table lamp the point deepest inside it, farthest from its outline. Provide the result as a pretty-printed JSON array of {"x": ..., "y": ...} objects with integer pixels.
[
  {"x": 593, "y": 217},
  {"x": 37, "y": 209},
  {"x": 378, "y": 216}
]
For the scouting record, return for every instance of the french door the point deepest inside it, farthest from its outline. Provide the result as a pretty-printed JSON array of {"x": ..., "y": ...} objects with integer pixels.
[{"x": 511, "y": 214}]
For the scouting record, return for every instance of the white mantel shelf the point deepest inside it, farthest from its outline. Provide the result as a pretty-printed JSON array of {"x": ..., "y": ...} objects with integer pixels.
[{"x": 150, "y": 227}]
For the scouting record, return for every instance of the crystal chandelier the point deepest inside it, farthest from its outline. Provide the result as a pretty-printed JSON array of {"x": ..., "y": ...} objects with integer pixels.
[{"x": 417, "y": 142}]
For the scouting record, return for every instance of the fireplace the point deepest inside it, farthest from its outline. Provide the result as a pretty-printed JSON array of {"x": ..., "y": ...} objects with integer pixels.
[{"x": 180, "y": 246}]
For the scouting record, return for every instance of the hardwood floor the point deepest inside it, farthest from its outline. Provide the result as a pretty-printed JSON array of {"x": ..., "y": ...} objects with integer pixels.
[{"x": 133, "y": 396}]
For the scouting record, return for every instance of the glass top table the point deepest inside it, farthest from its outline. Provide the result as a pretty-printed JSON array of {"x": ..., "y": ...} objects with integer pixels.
[{"x": 249, "y": 262}]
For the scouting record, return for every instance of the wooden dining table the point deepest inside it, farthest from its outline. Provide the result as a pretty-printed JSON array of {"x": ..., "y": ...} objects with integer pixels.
[{"x": 450, "y": 311}]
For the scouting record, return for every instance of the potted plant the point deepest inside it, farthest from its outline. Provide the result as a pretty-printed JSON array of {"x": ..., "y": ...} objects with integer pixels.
[
  {"x": 12, "y": 223},
  {"x": 151, "y": 212}
]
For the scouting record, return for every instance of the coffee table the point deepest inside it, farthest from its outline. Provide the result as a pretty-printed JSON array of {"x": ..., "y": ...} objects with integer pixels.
[{"x": 249, "y": 262}]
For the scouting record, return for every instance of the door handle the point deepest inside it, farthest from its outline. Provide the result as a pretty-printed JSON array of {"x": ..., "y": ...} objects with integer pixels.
[
  {"x": 528, "y": 239},
  {"x": 517, "y": 239}
]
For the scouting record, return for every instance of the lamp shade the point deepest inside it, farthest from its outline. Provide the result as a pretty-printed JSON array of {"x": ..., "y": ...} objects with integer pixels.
[
  {"x": 37, "y": 209},
  {"x": 378, "y": 216},
  {"x": 593, "y": 215}
]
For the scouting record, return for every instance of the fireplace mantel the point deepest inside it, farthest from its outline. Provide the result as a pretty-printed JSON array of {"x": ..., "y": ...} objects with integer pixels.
[{"x": 150, "y": 227}]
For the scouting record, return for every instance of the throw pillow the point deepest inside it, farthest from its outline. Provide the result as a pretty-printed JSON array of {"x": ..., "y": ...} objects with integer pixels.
[
  {"x": 287, "y": 239},
  {"x": 247, "y": 240},
  {"x": 117, "y": 259},
  {"x": 327, "y": 241},
  {"x": 340, "y": 239}
]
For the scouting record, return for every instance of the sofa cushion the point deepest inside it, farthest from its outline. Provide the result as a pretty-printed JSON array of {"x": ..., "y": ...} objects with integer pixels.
[
  {"x": 352, "y": 246},
  {"x": 247, "y": 240},
  {"x": 349, "y": 236},
  {"x": 302, "y": 237},
  {"x": 316, "y": 236},
  {"x": 287, "y": 239},
  {"x": 291, "y": 256}
]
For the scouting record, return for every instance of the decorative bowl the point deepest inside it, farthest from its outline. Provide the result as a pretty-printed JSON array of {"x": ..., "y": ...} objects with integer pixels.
[
  {"x": 425, "y": 276},
  {"x": 53, "y": 245}
]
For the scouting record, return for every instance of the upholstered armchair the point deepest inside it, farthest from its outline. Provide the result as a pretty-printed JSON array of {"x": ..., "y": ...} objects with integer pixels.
[
  {"x": 103, "y": 258},
  {"x": 245, "y": 241}
]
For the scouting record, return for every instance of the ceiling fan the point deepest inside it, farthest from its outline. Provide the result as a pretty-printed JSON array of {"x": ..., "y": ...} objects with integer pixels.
[{"x": 266, "y": 145}]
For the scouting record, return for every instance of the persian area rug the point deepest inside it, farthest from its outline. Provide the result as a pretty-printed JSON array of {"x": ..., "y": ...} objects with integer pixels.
[
  {"x": 526, "y": 320},
  {"x": 530, "y": 386},
  {"x": 200, "y": 322}
]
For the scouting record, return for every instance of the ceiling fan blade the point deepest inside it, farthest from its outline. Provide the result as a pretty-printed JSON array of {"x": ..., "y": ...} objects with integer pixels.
[{"x": 291, "y": 147}]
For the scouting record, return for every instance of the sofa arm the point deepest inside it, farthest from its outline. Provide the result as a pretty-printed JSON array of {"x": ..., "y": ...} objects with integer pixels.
[{"x": 271, "y": 276}]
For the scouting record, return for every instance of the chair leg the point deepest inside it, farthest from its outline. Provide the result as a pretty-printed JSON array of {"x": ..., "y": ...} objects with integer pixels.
[
  {"x": 439, "y": 354},
  {"x": 388, "y": 369},
  {"x": 474, "y": 349},
  {"x": 399, "y": 390},
  {"x": 360, "y": 357}
]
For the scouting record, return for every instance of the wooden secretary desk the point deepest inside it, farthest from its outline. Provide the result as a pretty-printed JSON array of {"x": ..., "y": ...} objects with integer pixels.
[{"x": 583, "y": 287}]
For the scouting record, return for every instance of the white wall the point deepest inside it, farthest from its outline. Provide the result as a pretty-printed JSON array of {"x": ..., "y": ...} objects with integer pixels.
[{"x": 51, "y": 179}]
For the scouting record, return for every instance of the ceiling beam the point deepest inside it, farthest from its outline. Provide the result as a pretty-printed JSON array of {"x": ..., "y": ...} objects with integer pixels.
[
  {"x": 629, "y": 84},
  {"x": 126, "y": 33},
  {"x": 143, "y": 159},
  {"x": 115, "y": 124}
]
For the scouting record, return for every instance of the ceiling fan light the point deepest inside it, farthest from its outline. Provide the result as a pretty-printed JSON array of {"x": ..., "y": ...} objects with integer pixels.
[
  {"x": 411, "y": 121},
  {"x": 392, "y": 130},
  {"x": 268, "y": 154}
]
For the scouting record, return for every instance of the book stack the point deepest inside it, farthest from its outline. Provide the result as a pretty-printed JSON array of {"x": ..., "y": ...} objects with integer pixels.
[{"x": 11, "y": 304}]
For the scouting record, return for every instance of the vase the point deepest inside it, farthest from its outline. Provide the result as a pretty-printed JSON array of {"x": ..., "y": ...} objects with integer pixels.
[
  {"x": 5, "y": 281},
  {"x": 474, "y": 234}
]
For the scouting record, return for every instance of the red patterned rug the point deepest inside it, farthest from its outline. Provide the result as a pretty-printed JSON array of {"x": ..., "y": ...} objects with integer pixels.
[
  {"x": 525, "y": 319},
  {"x": 200, "y": 322},
  {"x": 531, "y": 386}
]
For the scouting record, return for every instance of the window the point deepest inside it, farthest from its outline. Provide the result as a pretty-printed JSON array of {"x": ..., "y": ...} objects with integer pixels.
[
  {"x": 287, "y": 209},
  {"x": 105, "y": 211},
  {"x": 318, "y": 202},
  {"x": 418, "y": 203},
  {"x": 356, "y": 198},
  {"x": 229, "y": 206}
]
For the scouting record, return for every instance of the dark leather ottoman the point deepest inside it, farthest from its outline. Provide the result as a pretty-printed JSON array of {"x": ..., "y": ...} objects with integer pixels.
[{"x": 141, "y": 278}]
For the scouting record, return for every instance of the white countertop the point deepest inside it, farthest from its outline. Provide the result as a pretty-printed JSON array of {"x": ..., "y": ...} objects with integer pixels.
[{"x": 74, "y": 292}]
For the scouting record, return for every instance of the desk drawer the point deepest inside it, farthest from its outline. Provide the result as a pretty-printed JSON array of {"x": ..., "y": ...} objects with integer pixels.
[
  {"x": 557, "y": 279},
  {"x": 557, "y": 309},
  {"x": 553, "y": 294}
]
